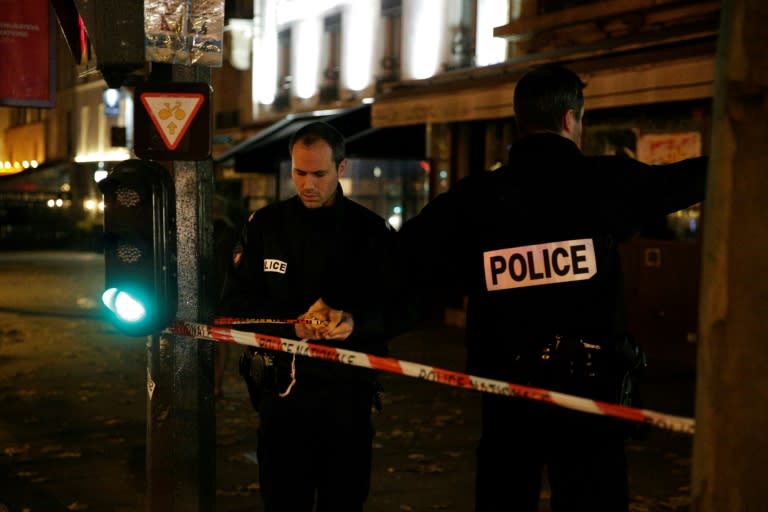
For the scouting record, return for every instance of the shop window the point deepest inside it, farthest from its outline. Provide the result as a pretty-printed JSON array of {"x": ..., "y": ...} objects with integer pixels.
[
  {"x": 257, "y": 190},
  {"x": 654, "y": 149},
  {"x": 395, "y": 189},
  {"x": 227, "y": 119},
  {"x": 664, "y": 148}
]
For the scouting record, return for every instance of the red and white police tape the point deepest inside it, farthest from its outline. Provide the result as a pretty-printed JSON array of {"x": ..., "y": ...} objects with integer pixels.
[
  {"x": 429, "y": 373},
  {"x": 230, "y": 320}
]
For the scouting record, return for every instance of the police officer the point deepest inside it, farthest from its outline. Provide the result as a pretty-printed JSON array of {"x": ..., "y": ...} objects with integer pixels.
[
  {"x": 319, "y": 256},
  {"x": 534, "y": 247}
]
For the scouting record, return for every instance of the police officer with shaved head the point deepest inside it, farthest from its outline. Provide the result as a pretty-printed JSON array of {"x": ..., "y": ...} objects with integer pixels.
[
  {"x": 327, "y": 260},
  {"x": 533, "y": 247}
]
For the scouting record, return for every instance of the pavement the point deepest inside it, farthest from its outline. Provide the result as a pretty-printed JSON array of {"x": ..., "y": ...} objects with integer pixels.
[{"x": 71, "y": 443}]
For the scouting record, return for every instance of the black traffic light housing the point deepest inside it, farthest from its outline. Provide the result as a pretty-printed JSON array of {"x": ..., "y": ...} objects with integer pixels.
[{"x": 141, "y": 291}]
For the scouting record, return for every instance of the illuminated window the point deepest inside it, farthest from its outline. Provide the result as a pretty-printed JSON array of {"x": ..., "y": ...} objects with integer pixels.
[
  {"x": 490, "y": 50},
  {"x": 425, "y": 36}
]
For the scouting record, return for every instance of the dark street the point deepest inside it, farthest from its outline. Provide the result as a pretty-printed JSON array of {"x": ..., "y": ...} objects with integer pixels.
[{"x": 73, "y": 401}]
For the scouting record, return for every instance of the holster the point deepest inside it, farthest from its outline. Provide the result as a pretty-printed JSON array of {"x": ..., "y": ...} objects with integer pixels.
[
  {"x": 573, "y": 365},
  {"x": 258, "y": 371},
  {"x": 606, "y": 370}
]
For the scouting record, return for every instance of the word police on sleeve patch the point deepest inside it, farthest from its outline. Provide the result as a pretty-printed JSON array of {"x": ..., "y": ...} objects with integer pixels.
[
  {"x": 275, "y": 266},
  {"x": 535, "y": 265}
]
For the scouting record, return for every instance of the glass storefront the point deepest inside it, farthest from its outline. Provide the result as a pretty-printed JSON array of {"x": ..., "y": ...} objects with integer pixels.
[
  {"x": 50, "y": 206},
  {"x": 395, "y": 189}
]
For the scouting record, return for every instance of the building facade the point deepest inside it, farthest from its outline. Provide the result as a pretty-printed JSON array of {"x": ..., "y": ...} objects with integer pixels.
[
  {"x": 52, "y": 157},
  {"x": 447, "y": 69},
  {"x": 422, "y": 89}
]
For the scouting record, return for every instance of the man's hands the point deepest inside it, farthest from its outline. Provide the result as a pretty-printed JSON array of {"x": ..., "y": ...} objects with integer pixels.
[{"x": 337, "y": 324}]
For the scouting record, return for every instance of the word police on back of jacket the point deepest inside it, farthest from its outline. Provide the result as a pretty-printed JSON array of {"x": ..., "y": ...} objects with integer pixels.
[{"x": 535, "y": 265}]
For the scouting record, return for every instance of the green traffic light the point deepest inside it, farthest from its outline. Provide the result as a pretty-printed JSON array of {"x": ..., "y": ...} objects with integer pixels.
[
  {"x": 139, "y": 247},
  {"x": 122, "y": 304}
]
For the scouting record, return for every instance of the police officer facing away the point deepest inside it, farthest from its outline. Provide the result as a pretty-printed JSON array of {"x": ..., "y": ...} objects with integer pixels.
[
  {"x": 320, "y": 256},
  {"x": 533, "y": 245}
]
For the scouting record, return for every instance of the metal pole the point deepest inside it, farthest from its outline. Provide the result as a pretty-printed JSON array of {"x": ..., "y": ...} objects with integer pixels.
[{"x": 181, "y": 427}]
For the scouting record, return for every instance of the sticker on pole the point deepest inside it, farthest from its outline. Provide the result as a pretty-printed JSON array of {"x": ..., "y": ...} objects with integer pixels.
[
  {"x": 173, "y": 121},
  {"x": 171, "y": 114}
]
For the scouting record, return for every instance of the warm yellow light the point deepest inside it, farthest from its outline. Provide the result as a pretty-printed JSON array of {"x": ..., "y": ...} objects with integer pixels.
[
  {"x": 424, "y": 27},
  {"x": 307, "y": 58},
  {"x": 488, "y": 49},
  {"x": 264, "y": 52},
  {"x": 359, "y": 32},
  {"x": 110, "y": 156}
]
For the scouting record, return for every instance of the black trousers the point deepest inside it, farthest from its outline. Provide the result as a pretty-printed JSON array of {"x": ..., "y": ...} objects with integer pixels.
[
  {"x": 315, "y": 449},
  {"x": 583, "y": 454}
]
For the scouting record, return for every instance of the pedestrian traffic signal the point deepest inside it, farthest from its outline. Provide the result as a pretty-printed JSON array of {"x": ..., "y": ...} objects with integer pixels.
[{"x": 139, "y": 247}]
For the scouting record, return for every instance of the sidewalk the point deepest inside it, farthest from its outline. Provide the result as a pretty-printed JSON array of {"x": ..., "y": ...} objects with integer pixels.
[
  {"x": 426, "y": 436},
  {"x": 423, "y": 449},
  {"x": 79, "y": 445}
]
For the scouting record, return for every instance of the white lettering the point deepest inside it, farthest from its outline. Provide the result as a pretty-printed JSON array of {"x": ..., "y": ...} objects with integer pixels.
[{"x": 536, "y": 265}]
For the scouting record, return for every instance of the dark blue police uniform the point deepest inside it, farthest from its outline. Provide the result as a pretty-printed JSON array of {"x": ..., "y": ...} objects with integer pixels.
[
  {"x": 534, "y": 247},
  {"x": 314, "y": 445}
]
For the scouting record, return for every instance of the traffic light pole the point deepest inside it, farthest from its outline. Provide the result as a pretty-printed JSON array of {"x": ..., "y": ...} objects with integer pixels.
[{"x": 181, "y": 422}]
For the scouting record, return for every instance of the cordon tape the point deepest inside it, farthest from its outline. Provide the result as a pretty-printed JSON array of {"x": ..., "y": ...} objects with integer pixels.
[{"x": 410, "y": 369}]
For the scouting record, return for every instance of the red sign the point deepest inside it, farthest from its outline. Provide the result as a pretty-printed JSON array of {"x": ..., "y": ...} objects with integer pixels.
[{"x": 27, "y": 48}]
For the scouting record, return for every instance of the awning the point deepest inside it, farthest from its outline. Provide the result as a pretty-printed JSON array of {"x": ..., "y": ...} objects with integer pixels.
[
  {"x": 264, "y": 151},
  {"x": 398, "y": 142}
]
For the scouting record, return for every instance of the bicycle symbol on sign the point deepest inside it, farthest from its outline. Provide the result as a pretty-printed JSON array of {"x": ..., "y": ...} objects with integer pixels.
[{"x": 176, "y": 111}]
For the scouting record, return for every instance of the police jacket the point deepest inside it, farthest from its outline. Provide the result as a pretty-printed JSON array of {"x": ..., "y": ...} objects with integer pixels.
[
  {"x": 291, "y": 256},
  {"x": 534, "y": 244}
]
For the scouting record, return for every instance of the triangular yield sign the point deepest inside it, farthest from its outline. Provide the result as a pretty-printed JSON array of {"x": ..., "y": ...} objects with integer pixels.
[{"x": 171, "y": 113}]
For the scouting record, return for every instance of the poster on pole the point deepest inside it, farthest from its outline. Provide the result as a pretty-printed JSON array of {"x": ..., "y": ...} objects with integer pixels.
[
  {"x": 184, "y": 31},
  {"x": 27, "y": 43}
]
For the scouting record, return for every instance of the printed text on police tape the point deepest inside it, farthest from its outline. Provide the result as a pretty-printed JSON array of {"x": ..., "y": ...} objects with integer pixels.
[{"x": 438, "y": 375}]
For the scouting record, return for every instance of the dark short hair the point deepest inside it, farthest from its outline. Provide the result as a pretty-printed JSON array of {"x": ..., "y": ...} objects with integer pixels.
[
  {"x": 544, "y": 94},
  {"x": 319, "y": 130}
]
